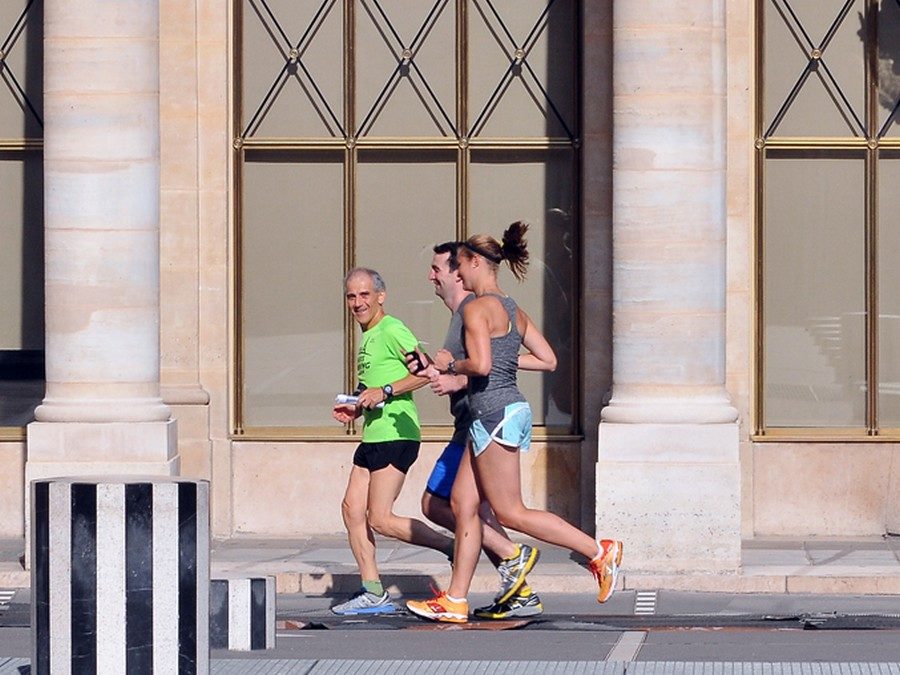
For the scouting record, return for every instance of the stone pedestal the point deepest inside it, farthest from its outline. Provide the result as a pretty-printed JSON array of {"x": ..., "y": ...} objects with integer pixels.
[
  {"x": 95, "y": 449},
  {"x": 672, "y": 493},
  {"x": 120, "y": 576},
  {"x": 892, "y": 517},
  {"x": 242, "y": 613}
]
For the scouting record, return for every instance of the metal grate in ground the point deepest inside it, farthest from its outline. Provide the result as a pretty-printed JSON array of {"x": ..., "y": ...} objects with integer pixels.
[
  {"x": 368, "y": 667},
  {"x": 746, "y": 668},
  {"x": 360, "y": 667}
]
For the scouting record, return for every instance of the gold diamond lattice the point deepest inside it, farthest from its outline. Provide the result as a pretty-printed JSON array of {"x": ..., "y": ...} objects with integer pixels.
[
  {"x": 13, "y": 39},
  {"x": 293, "y": 68},
  {"x": 816, "y": 66},
  {"x": 889, "y": 63},
  {"x": 407, "y": 68},
  {"x": 517, "y": 52}
]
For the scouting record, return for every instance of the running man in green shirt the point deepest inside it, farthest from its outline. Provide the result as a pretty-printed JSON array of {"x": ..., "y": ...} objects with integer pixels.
[{"x": 390, "y": 441}]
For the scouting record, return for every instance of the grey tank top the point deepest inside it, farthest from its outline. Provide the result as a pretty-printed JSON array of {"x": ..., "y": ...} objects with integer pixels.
[
  {"x": 498, "y": 389},
  {"x": 459, "y": 400}
]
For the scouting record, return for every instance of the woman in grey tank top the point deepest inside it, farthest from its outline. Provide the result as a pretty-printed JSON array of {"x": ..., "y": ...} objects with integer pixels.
[{"x": 495, "y": 328}]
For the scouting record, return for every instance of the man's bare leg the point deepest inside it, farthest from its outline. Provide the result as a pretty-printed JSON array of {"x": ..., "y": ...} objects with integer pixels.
[
  {"x": 384, "y": 488},
  {"x": 496, "y": 544},
  {"x": 353, "y": 510}
]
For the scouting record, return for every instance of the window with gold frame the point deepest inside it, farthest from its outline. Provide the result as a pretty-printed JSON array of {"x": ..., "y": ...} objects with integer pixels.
[
  {"x": 366, "y": 132},
  {"x": 828, "y": 223},
  {"x": 21, "y": 208}
]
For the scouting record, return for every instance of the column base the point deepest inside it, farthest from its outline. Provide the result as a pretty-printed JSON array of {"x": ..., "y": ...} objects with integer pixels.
[
  {"x": 93, "y": 449},
  {"x": 118, "y": 446},
  {"x": 892, "y": 517},
  {"x": 672, "y": 494}
]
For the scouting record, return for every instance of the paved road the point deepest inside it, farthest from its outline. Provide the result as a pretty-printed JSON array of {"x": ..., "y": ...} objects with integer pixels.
[{"x": 682, "y": 627}]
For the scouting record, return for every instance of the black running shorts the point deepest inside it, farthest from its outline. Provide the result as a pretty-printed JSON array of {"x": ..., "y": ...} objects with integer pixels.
[{"x": 374, "y": 456}]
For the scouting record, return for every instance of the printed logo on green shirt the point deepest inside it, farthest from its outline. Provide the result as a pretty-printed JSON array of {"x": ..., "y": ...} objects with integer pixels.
[{"x": 381, "y": 361}]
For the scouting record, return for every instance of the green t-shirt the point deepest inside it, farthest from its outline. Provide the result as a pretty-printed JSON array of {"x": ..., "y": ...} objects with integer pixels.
[{"x": 380, "y": 361}]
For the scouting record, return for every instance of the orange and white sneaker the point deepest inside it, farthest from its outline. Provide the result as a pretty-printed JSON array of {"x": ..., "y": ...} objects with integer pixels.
[
  {"x": 605, "y": 567},
  {"x": 440, "y": 608}
]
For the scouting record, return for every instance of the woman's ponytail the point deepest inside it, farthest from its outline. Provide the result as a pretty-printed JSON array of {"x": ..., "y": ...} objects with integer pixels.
[{"x": 514, "y": 249}]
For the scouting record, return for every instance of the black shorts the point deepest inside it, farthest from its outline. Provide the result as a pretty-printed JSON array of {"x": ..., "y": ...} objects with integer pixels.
[{"x": 399, "y": 454}]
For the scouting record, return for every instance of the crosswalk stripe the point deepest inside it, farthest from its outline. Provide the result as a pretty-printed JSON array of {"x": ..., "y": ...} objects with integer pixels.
[
  {"x": 645, "y": 602},
  {"x": 627, "y": 646}
]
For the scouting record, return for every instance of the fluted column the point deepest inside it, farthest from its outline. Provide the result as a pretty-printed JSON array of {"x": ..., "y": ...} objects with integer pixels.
[
  {"x": 668, "y": 472},
  {"x": 102, "y": 412}
]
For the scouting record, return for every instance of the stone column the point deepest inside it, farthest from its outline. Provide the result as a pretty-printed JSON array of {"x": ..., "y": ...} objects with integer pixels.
[
  {"x": 668, "y": 474},
  {"x": 102, "y": 412}
]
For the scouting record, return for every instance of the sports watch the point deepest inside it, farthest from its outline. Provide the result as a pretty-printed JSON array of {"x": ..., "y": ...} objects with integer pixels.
[{"x": 388, "y": 390}]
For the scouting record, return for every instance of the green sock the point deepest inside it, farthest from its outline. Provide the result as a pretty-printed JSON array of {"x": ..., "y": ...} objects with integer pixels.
[{"x": 374, "y": 587}]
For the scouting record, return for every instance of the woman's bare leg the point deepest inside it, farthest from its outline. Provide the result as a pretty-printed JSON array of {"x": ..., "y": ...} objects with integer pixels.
[
  {"x": 497, "y": 470},
  {"x": 465, "y": 501}
]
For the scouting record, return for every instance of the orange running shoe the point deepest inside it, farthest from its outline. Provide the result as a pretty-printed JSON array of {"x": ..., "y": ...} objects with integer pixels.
[
  {"x": 605, "y": 567},
  {"x": 440, "y": 608}
]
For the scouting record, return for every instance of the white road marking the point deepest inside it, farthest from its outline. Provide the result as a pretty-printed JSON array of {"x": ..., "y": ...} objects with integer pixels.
[
  {"x": 627, "y": 646},
  {"x": 645, "y": 602}
]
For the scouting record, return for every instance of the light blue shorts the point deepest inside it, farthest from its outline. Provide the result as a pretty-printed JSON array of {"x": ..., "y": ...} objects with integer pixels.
[{"x": 510, "y": 427}]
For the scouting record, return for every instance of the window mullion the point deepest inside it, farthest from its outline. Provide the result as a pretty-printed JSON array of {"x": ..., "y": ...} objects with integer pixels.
[{"x": 871, "y": 71}]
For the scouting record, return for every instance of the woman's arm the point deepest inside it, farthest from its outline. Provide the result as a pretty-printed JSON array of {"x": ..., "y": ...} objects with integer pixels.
[
  {"x": 476, "y": 324},
  {"x": 540, "y": 355}
]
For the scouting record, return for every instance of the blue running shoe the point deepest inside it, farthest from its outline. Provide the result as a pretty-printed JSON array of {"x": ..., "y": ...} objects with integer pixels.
[{"x": 364, "y": 602}]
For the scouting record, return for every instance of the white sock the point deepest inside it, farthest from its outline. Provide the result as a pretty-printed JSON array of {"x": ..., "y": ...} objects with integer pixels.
[{"x": 452, "y": 599}]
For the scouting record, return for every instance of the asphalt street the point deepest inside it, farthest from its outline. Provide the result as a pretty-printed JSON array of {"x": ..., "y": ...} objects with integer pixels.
[{"x": 669, "y": 627}]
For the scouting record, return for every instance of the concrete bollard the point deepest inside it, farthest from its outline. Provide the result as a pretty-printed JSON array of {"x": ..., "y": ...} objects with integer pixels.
[
  {"x": 120, "y": 576},
  {"x": 242, "y": 613}
]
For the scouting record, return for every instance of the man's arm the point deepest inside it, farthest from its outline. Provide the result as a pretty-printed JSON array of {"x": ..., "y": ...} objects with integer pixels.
[
  {"x": 443, "y": 384},
  {"x": 372, "y": 396}
]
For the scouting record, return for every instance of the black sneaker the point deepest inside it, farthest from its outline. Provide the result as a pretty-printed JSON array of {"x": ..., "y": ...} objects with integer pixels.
[{"x": 524, "y": 603}]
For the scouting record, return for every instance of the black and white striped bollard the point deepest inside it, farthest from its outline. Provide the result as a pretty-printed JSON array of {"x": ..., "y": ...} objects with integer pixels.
[
  {"x": 120, "y": 576},
  {"x": 242, "y": 613}
]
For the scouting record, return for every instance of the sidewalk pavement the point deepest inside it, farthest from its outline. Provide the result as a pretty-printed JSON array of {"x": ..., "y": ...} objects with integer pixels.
[{"x": 324, "y": 565}]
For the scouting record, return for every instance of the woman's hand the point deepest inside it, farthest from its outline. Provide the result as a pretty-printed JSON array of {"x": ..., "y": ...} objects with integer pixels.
[{"x": 442, "y": 360}]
